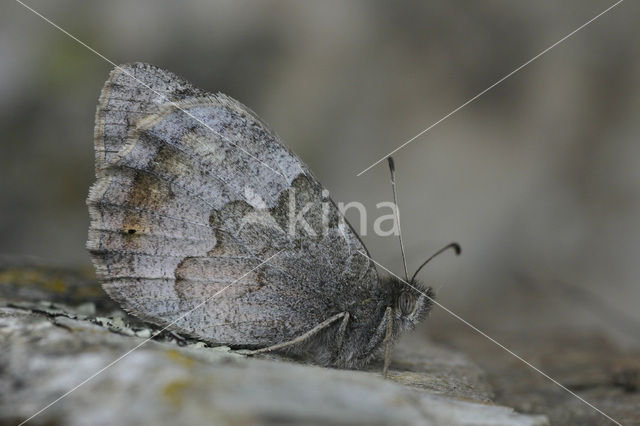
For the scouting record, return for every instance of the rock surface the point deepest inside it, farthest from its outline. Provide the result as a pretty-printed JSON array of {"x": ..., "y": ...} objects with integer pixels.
[
  {"x": 64, "y": 341},
  {"x": 587, "y": 363}
]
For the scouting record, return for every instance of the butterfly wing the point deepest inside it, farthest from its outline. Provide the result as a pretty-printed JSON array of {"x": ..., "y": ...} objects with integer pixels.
[{"x": 193, "y": 193}]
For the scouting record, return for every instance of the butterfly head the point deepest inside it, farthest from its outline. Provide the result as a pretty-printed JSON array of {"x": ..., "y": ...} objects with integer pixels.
[{"x": 411, "y": 302}]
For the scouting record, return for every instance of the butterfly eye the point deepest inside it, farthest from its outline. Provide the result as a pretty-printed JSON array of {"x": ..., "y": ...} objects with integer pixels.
[{"x": 406, "y": 303}]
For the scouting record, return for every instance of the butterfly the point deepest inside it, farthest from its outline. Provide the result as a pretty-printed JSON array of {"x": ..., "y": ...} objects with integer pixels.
[{"x": 192, "y": 202}]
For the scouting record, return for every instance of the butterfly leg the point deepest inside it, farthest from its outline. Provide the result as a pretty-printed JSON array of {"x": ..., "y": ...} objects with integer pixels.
[
  {"x": 340, "y": 337},
  {"x": 382, "y": 336},
  {"x": 341, "y": 332},
  {"x": 387, "y": 340},
  {"x": 302, "y": 337}
]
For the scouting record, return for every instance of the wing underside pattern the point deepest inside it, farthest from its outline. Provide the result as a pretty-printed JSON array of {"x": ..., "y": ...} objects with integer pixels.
[{"x": 193, "y": 191}]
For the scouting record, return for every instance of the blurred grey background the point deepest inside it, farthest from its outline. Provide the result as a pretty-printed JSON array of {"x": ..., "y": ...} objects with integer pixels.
[{"x": 539, "y": 179}]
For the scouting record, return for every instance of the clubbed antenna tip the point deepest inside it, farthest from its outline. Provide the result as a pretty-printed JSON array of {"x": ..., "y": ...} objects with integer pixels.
[
  {"x": 392, "y": 166},
  {"x": 455, "y": 246}
]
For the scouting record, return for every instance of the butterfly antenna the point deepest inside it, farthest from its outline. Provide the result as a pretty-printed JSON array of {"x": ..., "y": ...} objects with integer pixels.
[
  {"x": 392, "y": 168},
  {"x": 454, "y": 246}
]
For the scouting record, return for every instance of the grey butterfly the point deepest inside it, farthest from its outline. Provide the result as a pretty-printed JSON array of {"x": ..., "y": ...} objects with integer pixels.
[{"x": 179, "y": 173}]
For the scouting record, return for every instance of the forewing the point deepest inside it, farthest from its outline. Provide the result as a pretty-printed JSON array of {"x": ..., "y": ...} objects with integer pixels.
[{"x": 193, "y": 193}]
